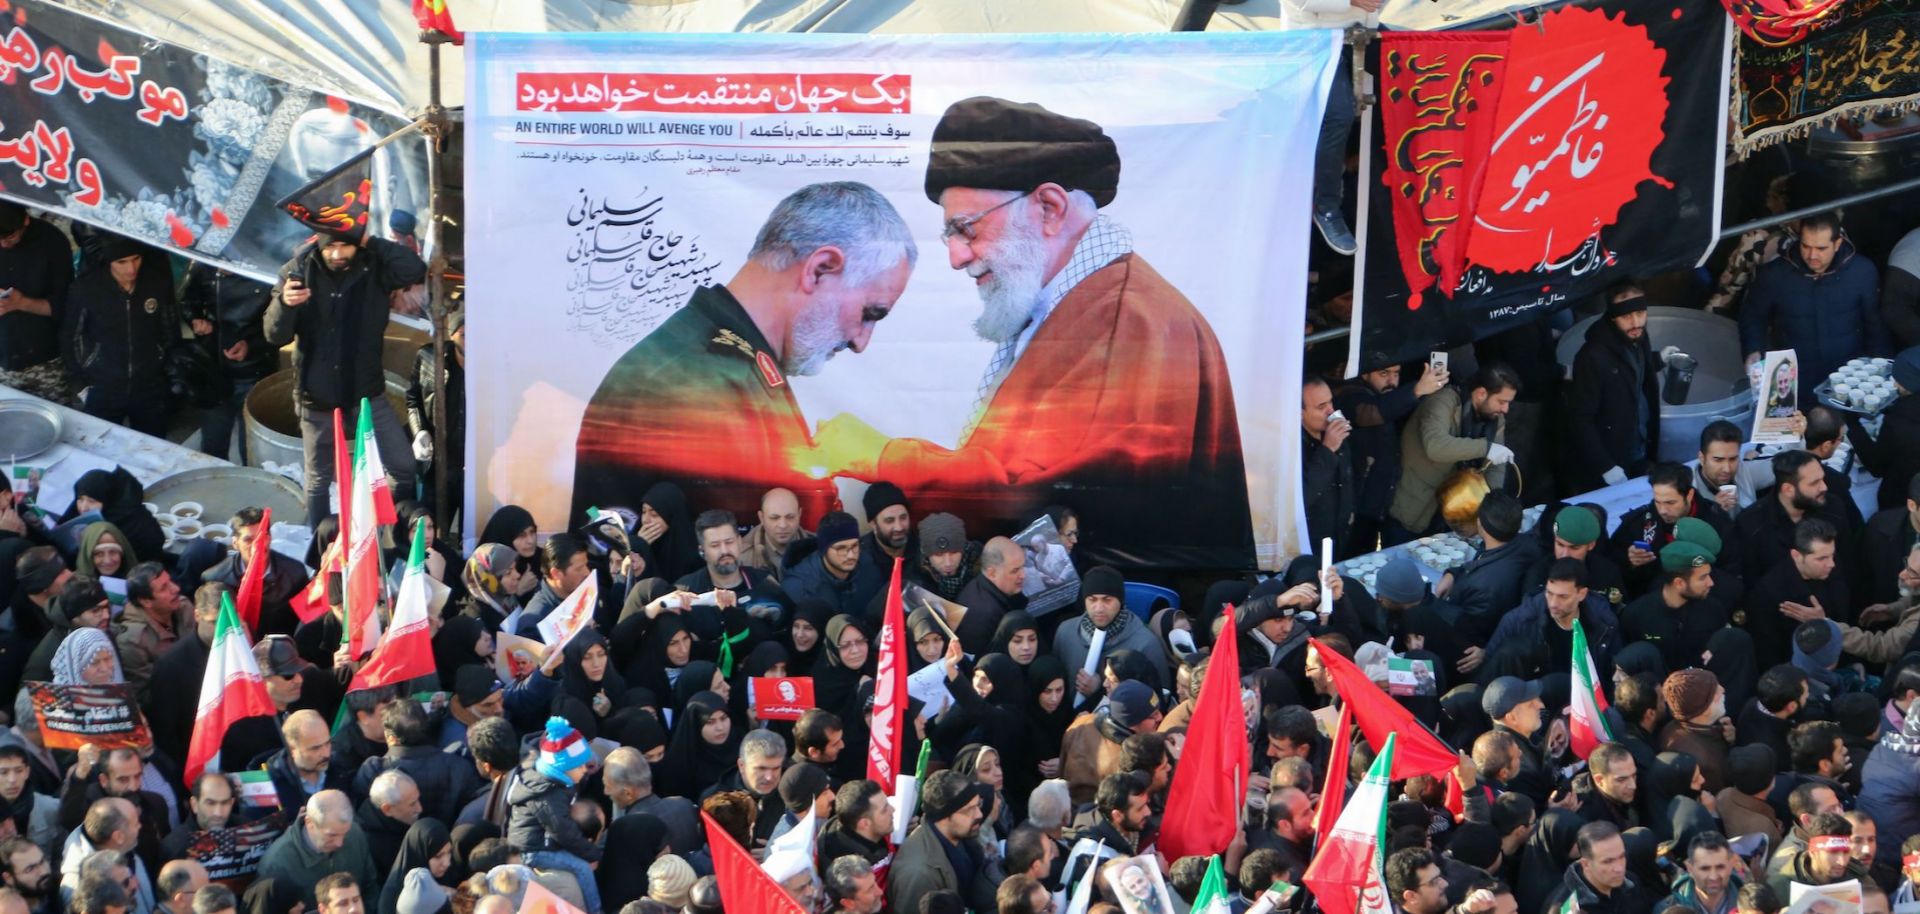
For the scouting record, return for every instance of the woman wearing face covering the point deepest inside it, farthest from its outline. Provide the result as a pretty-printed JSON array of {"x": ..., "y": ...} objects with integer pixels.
[
  {"x": 116, "y": 494},
  {"x": 1544, "y": 860},
  {"x": 1673, "y": 783},
  {"x": 465, "y": 839},
  {"x": 493, "y": 580},
  {"x": 667, "y": 529},
  {"x": 633, "y": 843},
  {"x": 512, "y": 526},
  {"x": 700, "y": 676},
  {"x": 992, "y": 705},
  {"x": 587, "y": 674},
  {"x": 637, "y": 727},
  {"x": 427, "y": 845},
  {"x": 705, "y": 746}
]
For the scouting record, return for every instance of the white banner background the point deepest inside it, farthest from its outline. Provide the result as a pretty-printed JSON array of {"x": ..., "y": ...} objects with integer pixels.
[{"x": 1216, "y": 135}]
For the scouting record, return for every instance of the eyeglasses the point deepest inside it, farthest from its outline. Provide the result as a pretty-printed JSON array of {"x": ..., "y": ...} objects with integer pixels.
[
  {"x": 853, "y": 643},
  {"x": 1435, "y": 882},
  {"x": 963, "y": 225}
]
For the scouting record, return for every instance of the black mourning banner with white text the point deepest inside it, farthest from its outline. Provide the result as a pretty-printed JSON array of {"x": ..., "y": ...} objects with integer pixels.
[{"x": 178, "y": 149}]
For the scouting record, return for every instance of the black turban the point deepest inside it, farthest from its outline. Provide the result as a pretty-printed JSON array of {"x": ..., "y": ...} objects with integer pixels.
[{"x": 995, "y": 144}]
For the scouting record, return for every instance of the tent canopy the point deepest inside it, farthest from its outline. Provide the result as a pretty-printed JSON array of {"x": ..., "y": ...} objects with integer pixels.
[{"x": 366, "y": 50}]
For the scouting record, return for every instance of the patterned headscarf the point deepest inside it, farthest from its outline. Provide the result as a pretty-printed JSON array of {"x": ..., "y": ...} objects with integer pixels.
[{"x": 77, "y": 650}]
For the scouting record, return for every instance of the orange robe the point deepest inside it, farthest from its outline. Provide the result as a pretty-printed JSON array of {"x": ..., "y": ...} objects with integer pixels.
[{"x": 1120, "y": 408}]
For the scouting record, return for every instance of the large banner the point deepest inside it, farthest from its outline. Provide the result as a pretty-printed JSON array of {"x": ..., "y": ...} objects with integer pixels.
[
  {"x": 1860, "y": 58},
  {"x": 1046, "y": 270},
  {"x": 179, "y": 149},
  {"x": 1514, "y": 172}
]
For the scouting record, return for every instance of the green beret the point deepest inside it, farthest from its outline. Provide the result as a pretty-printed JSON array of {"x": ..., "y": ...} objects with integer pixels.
[
  {"x": 994, "y": 144},
  {"x": 1681, "y": 555},
  {"x": 1700, "y": 533},
  {"x": 1576, "y": 525}
]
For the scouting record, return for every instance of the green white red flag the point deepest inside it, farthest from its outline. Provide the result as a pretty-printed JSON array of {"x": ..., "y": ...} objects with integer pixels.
[
  {"x": 231, "y": 690},
  {"x": 407, "y": 650},
  {"x": 1348, "y": 872},
  {"x": 363, "y": 519},
  {"x": 1588, "y": 719}
]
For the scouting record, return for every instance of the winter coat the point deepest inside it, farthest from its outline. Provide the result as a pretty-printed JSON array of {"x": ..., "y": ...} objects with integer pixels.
[
  {"x": 1527, "y": 624},
  {"x": 116, "y": 339},
  {"x": 1431, "y": 446},
  {"x": 1375, "y": 442},
  {"x": 339, "y": 332},
  {"x": 291, "y": 860},
  {"x": 805, "y": 578},
  {"x": 1486, "y": 587},
  {"x": 237, "y": 307},
  {"x": 1627, "y": 899},
  {"x": 446, "y": 782},
  {"x": 1327, "y": 480},
  {"x": 1894, "y": 454},
  {"x": 538, "y": 819},
  {"x": 424, "y": 387},
  {"x": 1615, "y": 381},
  {"x": 1825, "y": 318}
]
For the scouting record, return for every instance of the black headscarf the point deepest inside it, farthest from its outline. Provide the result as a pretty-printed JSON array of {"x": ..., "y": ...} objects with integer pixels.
[
  {"x": 1462, "y": 716},
  {"x": 692, "y": 764},
  {"x": 573, "y": 678},
  {"x": 649, "y": 665},
  {"x": 1671, "y": 778},
  {"x": 1220, "y": 594},
  {"x": 120, "y": 494},
  {"x": 465, "y": 838},
  {"x": 272, "y": 896},
  {"x": 1011, "y": 624},
  {"x": 1643, "y": 657},
  {"x": 1544, "y": 860},
  {"x": 423, "y": 841},
  {"x": 1048, "y": 726},
  {"x": 1277, "y": 689},
  {"x": 324, "y": 533},
  {"x": 816, "y": 613},
  {"x": 453, "y": 647},
  {"x": 636, "y": 727},
  {"x": 1009, "y": 681},
  {"x": 695, "y": 677},
  {"x": 1733, "y": 664},
  {"x": 633, "y": 843},
  {"x": 506, "y": 525},
  {"x": 920, "y": 624},
  {"x": 676, "y": 554}
]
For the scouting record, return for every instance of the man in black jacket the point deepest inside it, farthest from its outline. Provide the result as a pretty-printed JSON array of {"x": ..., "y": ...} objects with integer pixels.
[
  {"x": 115, "y": 328},
  {"x": 1645, "y": 530},
  {"x": 332, "y": 303},
  {"x": 446, "y": 781},
  {"x": 1613, "y": 401},
  {"x": 993, "y": 593},
  {"x": 425, "y": 387},
  {"x": 1890, "y": 536},
  {"x": 1326, "y": 467},
  {"x": 1474, "y": 597},
  {"x": 227, "y": 309},
  {"x": 1764, "y": 533},
  {"x": 1376, "y": 404},
  {"x": 1777, "y": 601},
  {"x": 285, "y": 577},
  {"x": 36, "y": 267},
  {"x": 1894, "y": 454}
]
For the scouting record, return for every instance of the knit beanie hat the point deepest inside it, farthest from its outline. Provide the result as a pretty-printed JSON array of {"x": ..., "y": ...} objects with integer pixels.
[
  {"x": 1817, "y": 641},
  {"x": 81, "y": 594},
  {"x": 562, "y": 749},
  {"x": 1858, "y": 714},
  {"x": 1689, "y": 693},
  {"x": 1103, "y": 581},
  {"x": 881, "y": 496},
  {"x": 941, "y": 532},
  {"x": 422, "y": 895},
  {"x": 801, "y": 785},
  {"x": 837, "y": 527},
  {"x": 669, "y": 880},
  {"x": 948, "y": 792}
]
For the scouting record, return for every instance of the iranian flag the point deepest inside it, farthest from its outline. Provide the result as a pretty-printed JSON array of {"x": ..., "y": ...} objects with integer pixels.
[
  {"x": 230, "y": 691},
  {"x": 1589, "y": 710},
  {"x": 369, "y": 506},
  {"x": 407, "y": 650},
  {"x": 1347, "y": 875},
  {"x": 1212, "y": 897}
]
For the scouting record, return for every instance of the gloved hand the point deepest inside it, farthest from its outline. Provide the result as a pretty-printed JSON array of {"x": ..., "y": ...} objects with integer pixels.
[
  {"x": 1499, "y": 454},
  {"x": 1614, "y": 476},
  {"x": 423, "y": 446}
]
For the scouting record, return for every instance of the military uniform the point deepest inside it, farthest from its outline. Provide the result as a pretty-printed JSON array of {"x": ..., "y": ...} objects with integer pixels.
[{"x": 702, "y": 402}]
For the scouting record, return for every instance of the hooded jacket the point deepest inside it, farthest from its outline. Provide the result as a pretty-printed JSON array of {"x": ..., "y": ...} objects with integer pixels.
[
  {"x": 1825, "y": 318},
  {"x": 538, "y": 820},
  {"x": 235, "y": 305},
  {"x": 117, "y": 339},
  {"x": 337, "y": 334},
  {"x": 1527, "y": 624},
  {"x": 1613, "y": 403},
  {"x": 1890, "y": 782}
]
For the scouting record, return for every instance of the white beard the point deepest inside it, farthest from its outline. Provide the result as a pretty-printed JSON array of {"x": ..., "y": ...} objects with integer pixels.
[
  {"x": 1018, "y": 265},
  {"x": 1906, "y": 591},
  {"x": 815, "y": 339}
]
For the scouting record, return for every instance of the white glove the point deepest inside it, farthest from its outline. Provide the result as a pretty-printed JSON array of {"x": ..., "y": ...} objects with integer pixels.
[
  {"x": 423, "y": 445},
  {"x": 1614, "y": 476},
  {"x": 1499, "y": 453}
]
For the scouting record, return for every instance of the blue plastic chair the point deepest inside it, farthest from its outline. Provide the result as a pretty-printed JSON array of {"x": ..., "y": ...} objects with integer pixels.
[{"x": 1141, "y": 597}]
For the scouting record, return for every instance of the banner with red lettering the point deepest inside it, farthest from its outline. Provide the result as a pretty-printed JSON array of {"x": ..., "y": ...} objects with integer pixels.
[
  {"x": 1033, "y": 290},
  {"x": 1598, "y": 144},
  {"x": 178, "y": 149}
]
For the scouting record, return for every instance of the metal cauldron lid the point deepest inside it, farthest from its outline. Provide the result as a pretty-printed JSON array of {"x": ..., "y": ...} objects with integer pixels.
[{"x": 28, "y": 428}]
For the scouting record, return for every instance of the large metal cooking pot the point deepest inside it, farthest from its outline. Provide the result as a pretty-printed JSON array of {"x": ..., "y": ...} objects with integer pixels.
[
  {"x": 273, "y": 426},
  {"x": 1719, "y": 387}
]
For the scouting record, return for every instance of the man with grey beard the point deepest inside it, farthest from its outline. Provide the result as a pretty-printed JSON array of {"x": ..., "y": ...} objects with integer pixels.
[
  {"x": 1104, "y": 378},
  {"x": 704, "y": 400},
  {"x": 1885, "y": 645}
]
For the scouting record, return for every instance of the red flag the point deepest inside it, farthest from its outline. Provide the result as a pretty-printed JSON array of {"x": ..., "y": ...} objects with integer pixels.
[
  {"x": 1334, "y": 794},
  {"x": 342, "y": 471},
  {"x": 434, "y": 16},
  {"x": 889, "y": 691},
  {"x": 246, "y": 601},
  {"x": 744, "y": 887},
  {"x": 311, "y": 603},
  {"x": 1419, "y": 751},
  {"x": 1208, "y": 790}
]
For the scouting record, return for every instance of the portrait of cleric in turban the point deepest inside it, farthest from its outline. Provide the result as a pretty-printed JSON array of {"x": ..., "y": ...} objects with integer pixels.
[{"x": 1106, "y": 387}]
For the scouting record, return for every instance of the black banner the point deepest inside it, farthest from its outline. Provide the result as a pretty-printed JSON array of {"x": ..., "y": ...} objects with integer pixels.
[
  {"x": 178, "y": 149},
  {"x": 1603, "y": 165}
]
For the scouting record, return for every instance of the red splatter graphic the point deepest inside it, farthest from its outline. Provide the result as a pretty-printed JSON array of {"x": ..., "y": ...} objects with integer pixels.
[
  {"x": 20, "y": 16},
  {"x": 336, "y": 104},
  {"x": 1573, "y": 138},
  {"x": 220, "y": 218},
  {"x": 178, "y": 232},
  {"x": 105, "y": 51}
]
